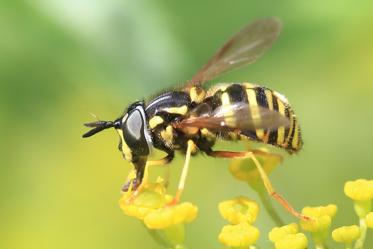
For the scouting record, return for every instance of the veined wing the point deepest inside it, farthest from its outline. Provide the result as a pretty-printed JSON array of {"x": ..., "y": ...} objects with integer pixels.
[
  {"x": 235, "y": 117},
  {"x": 243, "y": 48}
]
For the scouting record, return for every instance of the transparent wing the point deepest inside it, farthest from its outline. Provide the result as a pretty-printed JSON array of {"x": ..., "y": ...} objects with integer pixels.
[
  {"x": 239, "y": 116},
  {"x": 243, "y": 48}
]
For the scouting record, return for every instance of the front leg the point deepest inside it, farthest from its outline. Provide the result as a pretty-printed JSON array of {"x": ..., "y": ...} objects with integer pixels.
[{"x": 141, "y": 172}]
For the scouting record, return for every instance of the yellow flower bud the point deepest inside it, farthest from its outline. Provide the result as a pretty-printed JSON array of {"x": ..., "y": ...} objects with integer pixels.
[
  {"x": 278, "y": 233},
  {"x": 329, "y": 210},
  {"x": 245, "y": 169},
  {"x": 321, "y": 218},
  {"x": 369, "y": 220},
  {"x": 238, "y": 210},
  {"x": 346, "y": 234},
  {"x": 240, "y": 235},
  {"x": 292, "y": 241},
  {"x": 316, "y": 224},
  {"x": 171, "y": 215},
  {"x": 359, "y": 190},
  {"x": 149, "y": 199}
]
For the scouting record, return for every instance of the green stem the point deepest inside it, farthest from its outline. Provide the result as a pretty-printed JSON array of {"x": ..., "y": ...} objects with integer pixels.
[
  {"x": 169, "y": 238},
  {"x": 363, "y": 231},
  {"x": 264, "y": 198}
]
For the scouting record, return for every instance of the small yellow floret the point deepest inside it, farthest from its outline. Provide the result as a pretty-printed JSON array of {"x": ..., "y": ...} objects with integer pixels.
[
  {"x": 321, "y": 218},
  {"x": 316, "y": 224},
  {"x": 359, "y": 190},
  {"x": 278, "y": 233},
  {"x": 245, "y": 169},
  {"x": 292, "y": 241},
  {"x": 152, "y": 197},
  {"x": 346, "y": 234},
  {"x": 240, "y": 235},
  {"x": 369, "y": 220},
  {"x": 171, "y": 215},
  {"x": 329, "y": 210},
  {"x": 238, "y": 210},
  {"x": 147, "y": 201}
]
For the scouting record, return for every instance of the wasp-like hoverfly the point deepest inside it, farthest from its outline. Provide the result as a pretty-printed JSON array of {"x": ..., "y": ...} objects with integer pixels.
[{"x": 190, "y": 118}]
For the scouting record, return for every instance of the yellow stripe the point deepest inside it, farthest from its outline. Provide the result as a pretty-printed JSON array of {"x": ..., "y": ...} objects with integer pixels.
[
  {"x": 197, "y": 95},
  {"x": 168, "y": 135},
  {"x": 251, "y": 95},
  {"x": 155, "y": 121},
  {"x": 248, "y": 85},
  {"x": 295, "y": 138},
  {"x": 125, "y": 149},
  {"x": 269, "y": 97},
  {"x": 229, "y": 117},
  {"x": 218, "y": 87},
  {"x": 182, "y": 110},
  {"x": 281, "y": 130}
]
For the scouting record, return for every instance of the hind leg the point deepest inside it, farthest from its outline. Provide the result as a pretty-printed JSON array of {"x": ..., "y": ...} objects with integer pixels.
[{"x": 263, "y": 175}]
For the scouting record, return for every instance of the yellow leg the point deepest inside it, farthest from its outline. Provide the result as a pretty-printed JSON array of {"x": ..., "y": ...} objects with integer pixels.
[
  {"x": 184, "y": 173},
  {"x": 263, "y": 175}
]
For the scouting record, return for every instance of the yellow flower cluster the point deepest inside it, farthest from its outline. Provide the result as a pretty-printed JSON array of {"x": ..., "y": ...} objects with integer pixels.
[
  {"x": 346, "y": 234},
  {"x": 171, "y": 215},
  {"x": 361, "y": 192},
  {"x": 321, "y": 218},
  {"x": 238, "y": 210},
  {"x": 245, "y": 169},
  {"x": 279, "y": 232},
  {"x": 151, "y": 206},
  {"x": 288, "y": 237},
  {"x": 241, "y": 213},
  {"x": 239, "y": 235}
]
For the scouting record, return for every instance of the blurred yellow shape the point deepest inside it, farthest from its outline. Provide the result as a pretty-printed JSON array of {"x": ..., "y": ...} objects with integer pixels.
[
  {"x": 171, "y": 215},
  {"x": 278, "y": 233},
  {"x": 245, "y": 169},
  {"x": 238, "y": 210},
  {"x": 346, "y": 234},
  {"x": 240, "y": 235},
  {"x": 329, "y": 210},
  {"x": 369, "y": 220},
  {"x": 292, "y": 241},
  {"x": 359, "y": 190},
  {"x": 321, "y": 218},
  {"x": 316, "y": 224}
]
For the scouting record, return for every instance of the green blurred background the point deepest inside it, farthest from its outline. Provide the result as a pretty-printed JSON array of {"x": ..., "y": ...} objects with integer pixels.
[{"x": 61, "y": 60}]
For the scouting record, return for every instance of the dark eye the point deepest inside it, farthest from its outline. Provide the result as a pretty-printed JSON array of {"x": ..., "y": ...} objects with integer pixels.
[{"x": 134, "y": 133}]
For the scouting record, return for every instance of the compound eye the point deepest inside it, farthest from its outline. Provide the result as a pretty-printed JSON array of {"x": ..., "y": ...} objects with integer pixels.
[{"x": 134, "y": 133}]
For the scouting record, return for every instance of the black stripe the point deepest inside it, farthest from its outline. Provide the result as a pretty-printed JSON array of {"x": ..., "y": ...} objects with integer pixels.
[
  {"x": 272, "y": 139},
  {"x": 215, "y": 100},
  {"x": 261, "y": 97},
  {"x": 237, "y": 93},
  {"x": 287, "y": 114},
  {"x": 274, "y": 101},
  {"x": 292, "y": 134}
]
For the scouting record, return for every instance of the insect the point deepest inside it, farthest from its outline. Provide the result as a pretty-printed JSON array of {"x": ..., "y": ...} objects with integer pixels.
[{"x": 190, "y": 118}]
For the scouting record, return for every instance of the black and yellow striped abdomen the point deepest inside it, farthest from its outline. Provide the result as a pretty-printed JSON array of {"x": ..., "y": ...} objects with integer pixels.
[{"x": 288, "y": 138}]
